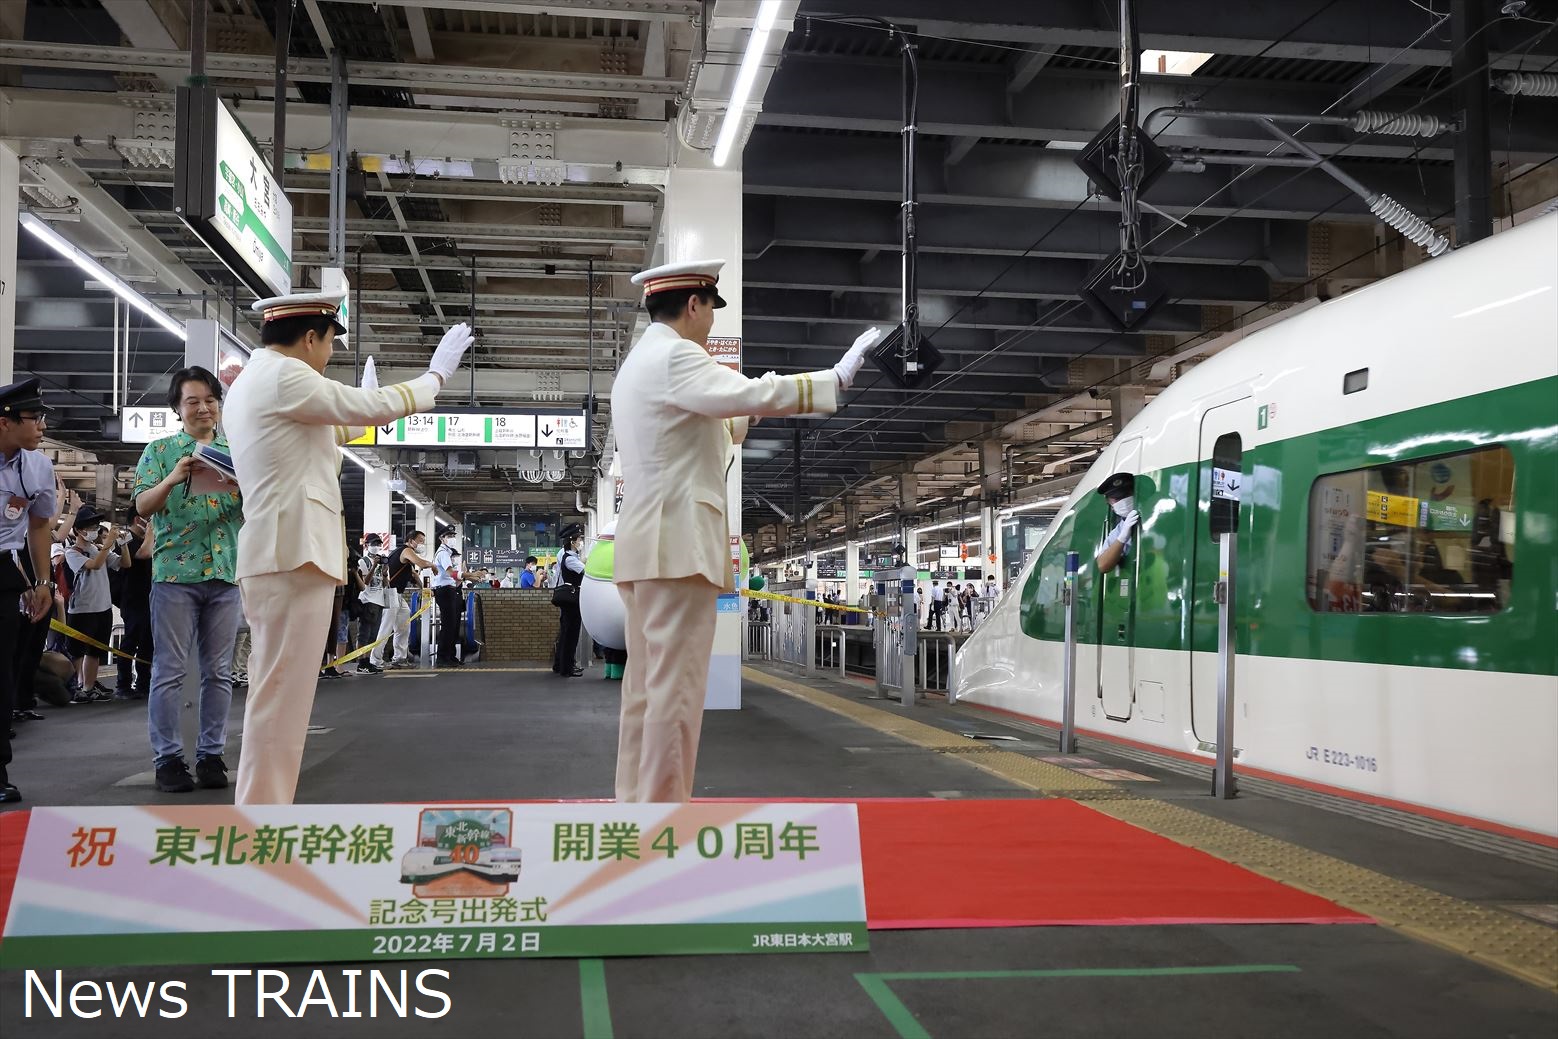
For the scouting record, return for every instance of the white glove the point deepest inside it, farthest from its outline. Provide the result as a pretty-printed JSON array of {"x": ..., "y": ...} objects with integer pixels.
[
  {"x": 370, "y": 376},
  {"x": 446, "y": 359},
  {"x": 1122, "y": 531},
  {"x": 849, "y": 367}
]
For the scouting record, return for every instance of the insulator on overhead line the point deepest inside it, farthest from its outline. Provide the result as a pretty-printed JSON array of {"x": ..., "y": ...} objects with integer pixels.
[
  {"x": 1412, "y": 227},
  {"x": 1401, "y": 124},
  {"x": 1531, "y": 84}
]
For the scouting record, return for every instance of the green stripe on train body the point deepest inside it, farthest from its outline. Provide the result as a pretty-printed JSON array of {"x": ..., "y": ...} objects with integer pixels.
[{"x": 1174, "y": 612}]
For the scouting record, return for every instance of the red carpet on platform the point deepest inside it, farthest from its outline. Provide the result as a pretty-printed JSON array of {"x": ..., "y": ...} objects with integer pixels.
[
  {"x": 1022, "y": 863},
  {"x": 1011, "y": 863}
]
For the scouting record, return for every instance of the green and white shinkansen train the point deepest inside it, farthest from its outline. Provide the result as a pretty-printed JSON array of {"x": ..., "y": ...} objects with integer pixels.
[{"x": 1397, "y": 578}]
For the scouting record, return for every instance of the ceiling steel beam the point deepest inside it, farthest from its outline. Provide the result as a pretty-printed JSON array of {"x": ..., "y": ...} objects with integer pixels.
[
  {"x": 808, "y": 306},
  {"x": 1281, "y": 247},
  {"x": 819, "y": 165},
  {"x": 1333, "y": 32},
  {"x": 615, "y": 10},
  {"x": 437, "y": 188},
  {"x": 992, "y": 277},
  {"x": 492, "y": 82}
]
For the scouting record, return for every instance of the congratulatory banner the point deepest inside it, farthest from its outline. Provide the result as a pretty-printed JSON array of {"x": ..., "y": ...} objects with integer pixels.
[{"x": 313, "y": 883}]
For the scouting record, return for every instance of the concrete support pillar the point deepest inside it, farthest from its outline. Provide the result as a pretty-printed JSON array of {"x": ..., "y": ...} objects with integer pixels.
[
  {"x": 376, "y": 503},
  {"x": 426, "y": 525},
  {"x": 703, "y": 222},
  {"x": 10, "y": 189},
  {"x": 1126, "y": 402},
  {"x": 851, "y": 572},
  {"x": 105, "y": 490}
]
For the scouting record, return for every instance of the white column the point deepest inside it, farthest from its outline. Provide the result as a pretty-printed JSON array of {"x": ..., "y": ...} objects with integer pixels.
[
  {"x": 376, "y": 503},
  {"x": 10, "y": 189},
  {"x": 852, "y": 572},
  {"x": 426, "y": 525},
  {"x": 703, "y": 222}
]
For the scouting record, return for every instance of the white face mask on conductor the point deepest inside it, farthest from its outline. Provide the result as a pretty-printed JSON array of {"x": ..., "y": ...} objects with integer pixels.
[{"x": 1123, "y": 507}]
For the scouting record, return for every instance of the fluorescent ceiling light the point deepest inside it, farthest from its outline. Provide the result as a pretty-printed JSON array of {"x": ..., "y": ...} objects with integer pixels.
[
  {"x": 1065, "y": 146},
  {"x": 972, "y": 521},
  {"x": 735, "y": 112},
  {"x": 1043, "y": 504},
  {"x": 353, "y": 456},
  {"x": 1172, "y": 63},
  {"x": 54, "y": 240}
]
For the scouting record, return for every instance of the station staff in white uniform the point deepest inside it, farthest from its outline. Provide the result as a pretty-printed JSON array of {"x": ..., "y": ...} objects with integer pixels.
[
  {"x": 668, "y": 403},
  {"x": 1119, "y": 491},
  {"x": 285, "y": 420},
  {"x": 446, "y": 592}
]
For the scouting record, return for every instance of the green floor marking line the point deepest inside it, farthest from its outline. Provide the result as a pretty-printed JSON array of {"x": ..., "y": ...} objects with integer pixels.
[
  {"x": 592, "y": 999},
  {"x": 908, "y": 1026}
]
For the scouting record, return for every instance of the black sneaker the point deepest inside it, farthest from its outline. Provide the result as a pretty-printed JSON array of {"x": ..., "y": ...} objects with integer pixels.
[
  {"x": 211, "y": 772},
  {"x": 367, "y": 667},
  {"x": 173, "y": 777},
  {"x": 330, "y": 674}
]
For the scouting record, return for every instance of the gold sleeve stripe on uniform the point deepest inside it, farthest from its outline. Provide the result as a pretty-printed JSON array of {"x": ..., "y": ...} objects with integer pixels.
[
  {"x": 409, "y": 401},
  {"x": 811, "y": 395}
]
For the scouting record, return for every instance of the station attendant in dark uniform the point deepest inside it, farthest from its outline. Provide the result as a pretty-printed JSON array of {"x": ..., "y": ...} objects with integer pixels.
[
  {"x": 570, "y": 571},
  {"x": 26, "y": 513},
  {"x": 1119, "y": 491}
]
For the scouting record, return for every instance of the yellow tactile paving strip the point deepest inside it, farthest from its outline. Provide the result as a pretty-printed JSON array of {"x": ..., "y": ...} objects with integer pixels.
[{"x": 1524, "y": 948}]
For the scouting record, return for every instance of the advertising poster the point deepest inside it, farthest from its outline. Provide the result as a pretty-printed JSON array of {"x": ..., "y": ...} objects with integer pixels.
[{"x": 314, "y": 883}]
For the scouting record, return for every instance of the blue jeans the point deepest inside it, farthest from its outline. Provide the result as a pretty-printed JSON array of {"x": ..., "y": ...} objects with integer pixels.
[{"x": 183, "y": 616}]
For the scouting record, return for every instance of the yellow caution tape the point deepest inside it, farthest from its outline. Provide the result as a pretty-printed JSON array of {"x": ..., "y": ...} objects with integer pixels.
[
  {"x": 354, "y": 654},
  {"x": 68, "y": 631},
  {"x": 818, "y": 603}
]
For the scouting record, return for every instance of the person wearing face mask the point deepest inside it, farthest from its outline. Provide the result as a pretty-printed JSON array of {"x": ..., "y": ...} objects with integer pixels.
[
  {"x": 528, "y": 578},
  {"x": 402, "y": 568},
  {"x": 570, "y": 573},
  {"x": 446, "y": 592},
  {"x": 287, "y": 421},
  {"x": 92, "y": 553},
  {"x": 1119, "y": 491},
  {"x": 134, "y": 602}
]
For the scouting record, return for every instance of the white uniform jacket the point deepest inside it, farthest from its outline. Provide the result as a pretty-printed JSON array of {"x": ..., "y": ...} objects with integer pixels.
[
  {"x": 668, "y": 405},
  {"x": 284, "y": 421}
]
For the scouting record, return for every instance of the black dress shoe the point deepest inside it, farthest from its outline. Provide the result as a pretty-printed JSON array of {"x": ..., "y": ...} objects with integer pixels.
[
  {"x": 9, "y": 794},
  {"x": 27, "y": 716}
]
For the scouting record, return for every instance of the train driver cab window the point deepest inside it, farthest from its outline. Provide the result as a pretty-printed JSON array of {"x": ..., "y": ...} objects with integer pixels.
[{"x": 1431, "y": 535}]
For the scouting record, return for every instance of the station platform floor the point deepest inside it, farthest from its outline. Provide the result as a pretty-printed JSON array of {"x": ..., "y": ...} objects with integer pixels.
[{"x": 1464, "y": 943}]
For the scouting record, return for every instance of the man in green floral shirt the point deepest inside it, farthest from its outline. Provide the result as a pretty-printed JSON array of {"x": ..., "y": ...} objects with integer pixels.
[{"x": 194, "y": 594}]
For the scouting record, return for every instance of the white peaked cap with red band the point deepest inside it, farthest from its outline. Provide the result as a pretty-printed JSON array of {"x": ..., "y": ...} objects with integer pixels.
[{"x": 699, "y": 274}]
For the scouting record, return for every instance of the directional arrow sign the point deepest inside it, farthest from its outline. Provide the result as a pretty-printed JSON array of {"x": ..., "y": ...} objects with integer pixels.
[{"x": 139, "y": 425}]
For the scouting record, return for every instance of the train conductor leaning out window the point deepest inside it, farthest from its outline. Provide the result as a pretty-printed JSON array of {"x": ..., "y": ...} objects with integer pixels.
[{"x": 1119, "y": 491}]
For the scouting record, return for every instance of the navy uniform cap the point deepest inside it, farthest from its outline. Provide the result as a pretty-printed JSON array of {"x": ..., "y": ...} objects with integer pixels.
[
  {"x": 1120, "y": 484},
  {"x": 23, "y": 395}
]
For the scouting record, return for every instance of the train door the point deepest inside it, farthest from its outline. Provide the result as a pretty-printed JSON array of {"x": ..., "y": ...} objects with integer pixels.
[
  {"x": 1220, "y": 475},
  {"x": 1117, "y": 611}
]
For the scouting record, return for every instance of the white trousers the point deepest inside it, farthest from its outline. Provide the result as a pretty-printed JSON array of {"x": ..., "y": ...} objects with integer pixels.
[
  {"x": 393, "y": 618},
  {"x": 287, "y": 615},
  {"x": 670, "y": 634}
]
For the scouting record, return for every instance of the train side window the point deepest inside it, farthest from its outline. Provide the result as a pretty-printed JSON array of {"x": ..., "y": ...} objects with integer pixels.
[{"x": 1432, "y": 535}]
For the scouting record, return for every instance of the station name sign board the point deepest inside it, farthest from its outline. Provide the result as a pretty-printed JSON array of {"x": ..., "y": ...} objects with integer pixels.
[{"x": 223, "y": 190}]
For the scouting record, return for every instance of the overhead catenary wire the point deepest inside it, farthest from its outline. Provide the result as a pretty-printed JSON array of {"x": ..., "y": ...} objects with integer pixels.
[{"x": 1042, "y": 322}]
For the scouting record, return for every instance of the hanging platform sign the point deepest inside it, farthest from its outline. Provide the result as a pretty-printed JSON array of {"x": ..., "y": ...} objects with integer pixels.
[
  {"x": 467, "y": 428},
  {"x": 142, "y": 425},
  {"x": 223, "y": 190},
  {"x": 100, "y": 886}
]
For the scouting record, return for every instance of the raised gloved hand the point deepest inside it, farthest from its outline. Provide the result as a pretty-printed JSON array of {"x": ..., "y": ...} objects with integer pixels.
[
  {"x": 1123, "y": 531},
  {"x": 446, "y": 359},
  {"x": 370, "y": 376},
  {"x": 849, "y": 367}
]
